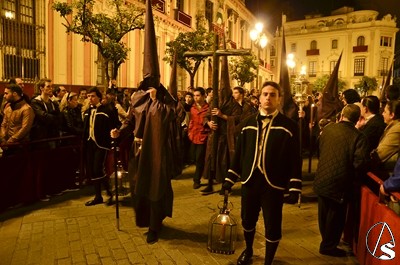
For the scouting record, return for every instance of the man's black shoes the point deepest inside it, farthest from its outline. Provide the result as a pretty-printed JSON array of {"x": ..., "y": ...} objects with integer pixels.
[
  {"x": 207, "y": 190},
  {"x": 94, "y": 202},
  {"x": 336, "y": 252},
  {"x": 196, "y": 185},
  {"x": 245, "y": 257},
  {"x": 152, "y": 237}
]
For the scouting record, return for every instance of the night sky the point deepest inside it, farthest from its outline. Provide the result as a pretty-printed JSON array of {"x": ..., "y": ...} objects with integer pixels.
[{"x": 270, "y": 11}]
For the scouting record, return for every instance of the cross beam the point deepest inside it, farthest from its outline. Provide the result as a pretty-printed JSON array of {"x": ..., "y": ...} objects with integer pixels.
[{"x": 216, "y": 53}]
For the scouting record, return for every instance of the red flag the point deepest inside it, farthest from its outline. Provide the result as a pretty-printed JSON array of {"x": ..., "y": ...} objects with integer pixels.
[
  {"x": 289, "y": 107},
  {"x": 330, "y": 102}
]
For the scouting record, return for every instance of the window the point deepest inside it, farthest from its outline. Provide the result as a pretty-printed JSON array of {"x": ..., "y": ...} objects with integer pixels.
[
  {"x": 332, "y": 65},
  {"x": 359, "y": 66},
  {"x": 386, "y": 41},
  {"x": 334, "y": 44},
  {"x": 384, "y": 66},
  {"x": 272, "y": 62},
  {"x": 272, "y": 52},
  {"x": 293, "y": 47},
  {"x": 312, "y": 69},
  {"x": 209, "y": 11},
  {"x": 21, "y": 37},
  {"x": 361, "y": 41},
  {"x": 313, "y": 45}
]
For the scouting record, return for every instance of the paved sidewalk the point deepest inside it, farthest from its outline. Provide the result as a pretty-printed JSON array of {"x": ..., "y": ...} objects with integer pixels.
[{"x": 64, "y": 231}]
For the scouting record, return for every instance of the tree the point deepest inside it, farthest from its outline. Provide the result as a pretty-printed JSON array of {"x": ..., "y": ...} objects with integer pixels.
[
  {"x": 105, "y": 30},
  {"x": 198, "y": 40},
  {"x": 366, "y": 84},
  {"x": 243, "y": 68},
  {"x": 320, "y": 83}
]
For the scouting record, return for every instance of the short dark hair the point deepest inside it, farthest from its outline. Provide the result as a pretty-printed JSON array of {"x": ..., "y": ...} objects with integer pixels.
[
  {"x": 15, "y": 88},
  {"x": 56, "y": 90},
  {"x": 394, "y": 107},
  {"x": 208, "y": 90},
  {"x": 393, "y": 92},
  {"x": 189, "y": 93},
  {"x": 351, "y": 96},
  {"x": 273, "y": 84},
  {"x": 240, "y": 89},
  {"x": 352, "y": 112},
  {"x": 372, "y": 103},
  {"x": 97, "y": 91},
  {"x": 43, "y": 81},
  {"x": 201, "y": 90}
]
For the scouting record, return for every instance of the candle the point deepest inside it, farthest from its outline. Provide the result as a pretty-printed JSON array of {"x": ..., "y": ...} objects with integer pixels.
[
  {"x": 223, "y": 222},
  {"x": 312, "y": 116}
]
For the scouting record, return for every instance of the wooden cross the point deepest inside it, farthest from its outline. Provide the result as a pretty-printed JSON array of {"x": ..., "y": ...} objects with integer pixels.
[{"x": 216, "y": 54}]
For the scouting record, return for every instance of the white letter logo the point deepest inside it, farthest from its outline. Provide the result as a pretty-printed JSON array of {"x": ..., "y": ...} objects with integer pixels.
[{"x": 380, "y": 235}]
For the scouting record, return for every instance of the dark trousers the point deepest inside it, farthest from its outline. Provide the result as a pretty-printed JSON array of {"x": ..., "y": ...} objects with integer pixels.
[
  {"x": 95, "y": 160},
  {"x": 199, "y": 151},
  {"x": 331, "y": 220},
  {"x": 257, "y": 194}
]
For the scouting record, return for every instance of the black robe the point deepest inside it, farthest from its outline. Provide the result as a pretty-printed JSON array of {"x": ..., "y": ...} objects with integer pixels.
[{"x": 153, "y": 158}]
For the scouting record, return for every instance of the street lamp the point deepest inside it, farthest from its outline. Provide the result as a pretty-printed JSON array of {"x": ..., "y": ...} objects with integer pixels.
[
  {"x": 290, "y": 62},
  {"x": 260, "y": 41}
]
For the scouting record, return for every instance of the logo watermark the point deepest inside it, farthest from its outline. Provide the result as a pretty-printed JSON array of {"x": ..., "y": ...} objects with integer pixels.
[{"x": 380, "y": 237}]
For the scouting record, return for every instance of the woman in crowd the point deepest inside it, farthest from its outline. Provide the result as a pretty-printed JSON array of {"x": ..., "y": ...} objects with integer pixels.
[{"x": 72, "y": 123}]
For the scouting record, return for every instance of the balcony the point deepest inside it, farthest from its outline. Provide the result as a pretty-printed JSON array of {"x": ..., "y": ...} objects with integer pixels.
[
  {"x": 183, "y": 18},
  {"x": 312, "y": 52},
  {"x": 363, "y": 48},
  {"x": 159, "y": 5}
]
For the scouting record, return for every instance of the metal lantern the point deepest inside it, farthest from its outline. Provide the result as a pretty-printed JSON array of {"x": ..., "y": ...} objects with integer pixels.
[
  {"x": 222, "y": 232},
  {"x": 123, "y": 183}
]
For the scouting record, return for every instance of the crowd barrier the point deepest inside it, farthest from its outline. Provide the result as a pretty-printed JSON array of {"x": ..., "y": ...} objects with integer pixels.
[
  {"x": 32, "y": 170},
  {"x": 379, "y": 227}
]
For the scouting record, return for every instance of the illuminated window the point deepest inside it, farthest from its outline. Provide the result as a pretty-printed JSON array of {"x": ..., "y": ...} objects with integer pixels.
[
  {"x": 312, "y": 69},
  {"x": 20, "y": 34},
  {"x": 359, "y": 66}
]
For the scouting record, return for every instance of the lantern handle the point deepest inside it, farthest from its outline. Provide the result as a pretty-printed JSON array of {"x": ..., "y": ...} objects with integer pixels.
[{"x": 227, "y": 205}]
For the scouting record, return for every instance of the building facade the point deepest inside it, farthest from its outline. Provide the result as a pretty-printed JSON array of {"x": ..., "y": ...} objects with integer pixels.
[
  {"x": 34, "y": 43},
  {"x": 367, "y": 43}
]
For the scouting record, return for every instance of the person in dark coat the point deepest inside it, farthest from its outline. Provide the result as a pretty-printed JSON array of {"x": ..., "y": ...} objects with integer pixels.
[
  {"x": 72, "y": 123},
  {"x": 343, "y": 155},
  {"x": 371, "y": 123},
  {"x": 154, "y": 161},
  {"x": 47, "y": 114},
  {"x": 267, "y": 156},
  {"x": 99, "y": 120}
]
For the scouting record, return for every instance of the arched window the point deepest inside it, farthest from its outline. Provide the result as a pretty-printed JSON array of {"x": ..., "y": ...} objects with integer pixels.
[
  {"x": 361, "y": 41},
  {"x": 313, "y": 45}
]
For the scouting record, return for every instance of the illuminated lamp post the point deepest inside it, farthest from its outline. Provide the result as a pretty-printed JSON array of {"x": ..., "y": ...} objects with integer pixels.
[{"x": 260, "y": 40}]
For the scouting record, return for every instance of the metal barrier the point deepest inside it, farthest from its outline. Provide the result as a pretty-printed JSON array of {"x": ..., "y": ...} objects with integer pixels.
[
  {"x": 378, "y": 228},
  {"x": 32, "y": 170}
]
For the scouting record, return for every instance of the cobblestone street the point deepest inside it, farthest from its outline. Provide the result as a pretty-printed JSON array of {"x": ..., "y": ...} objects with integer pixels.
[{"x": 64, "y": 231}]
